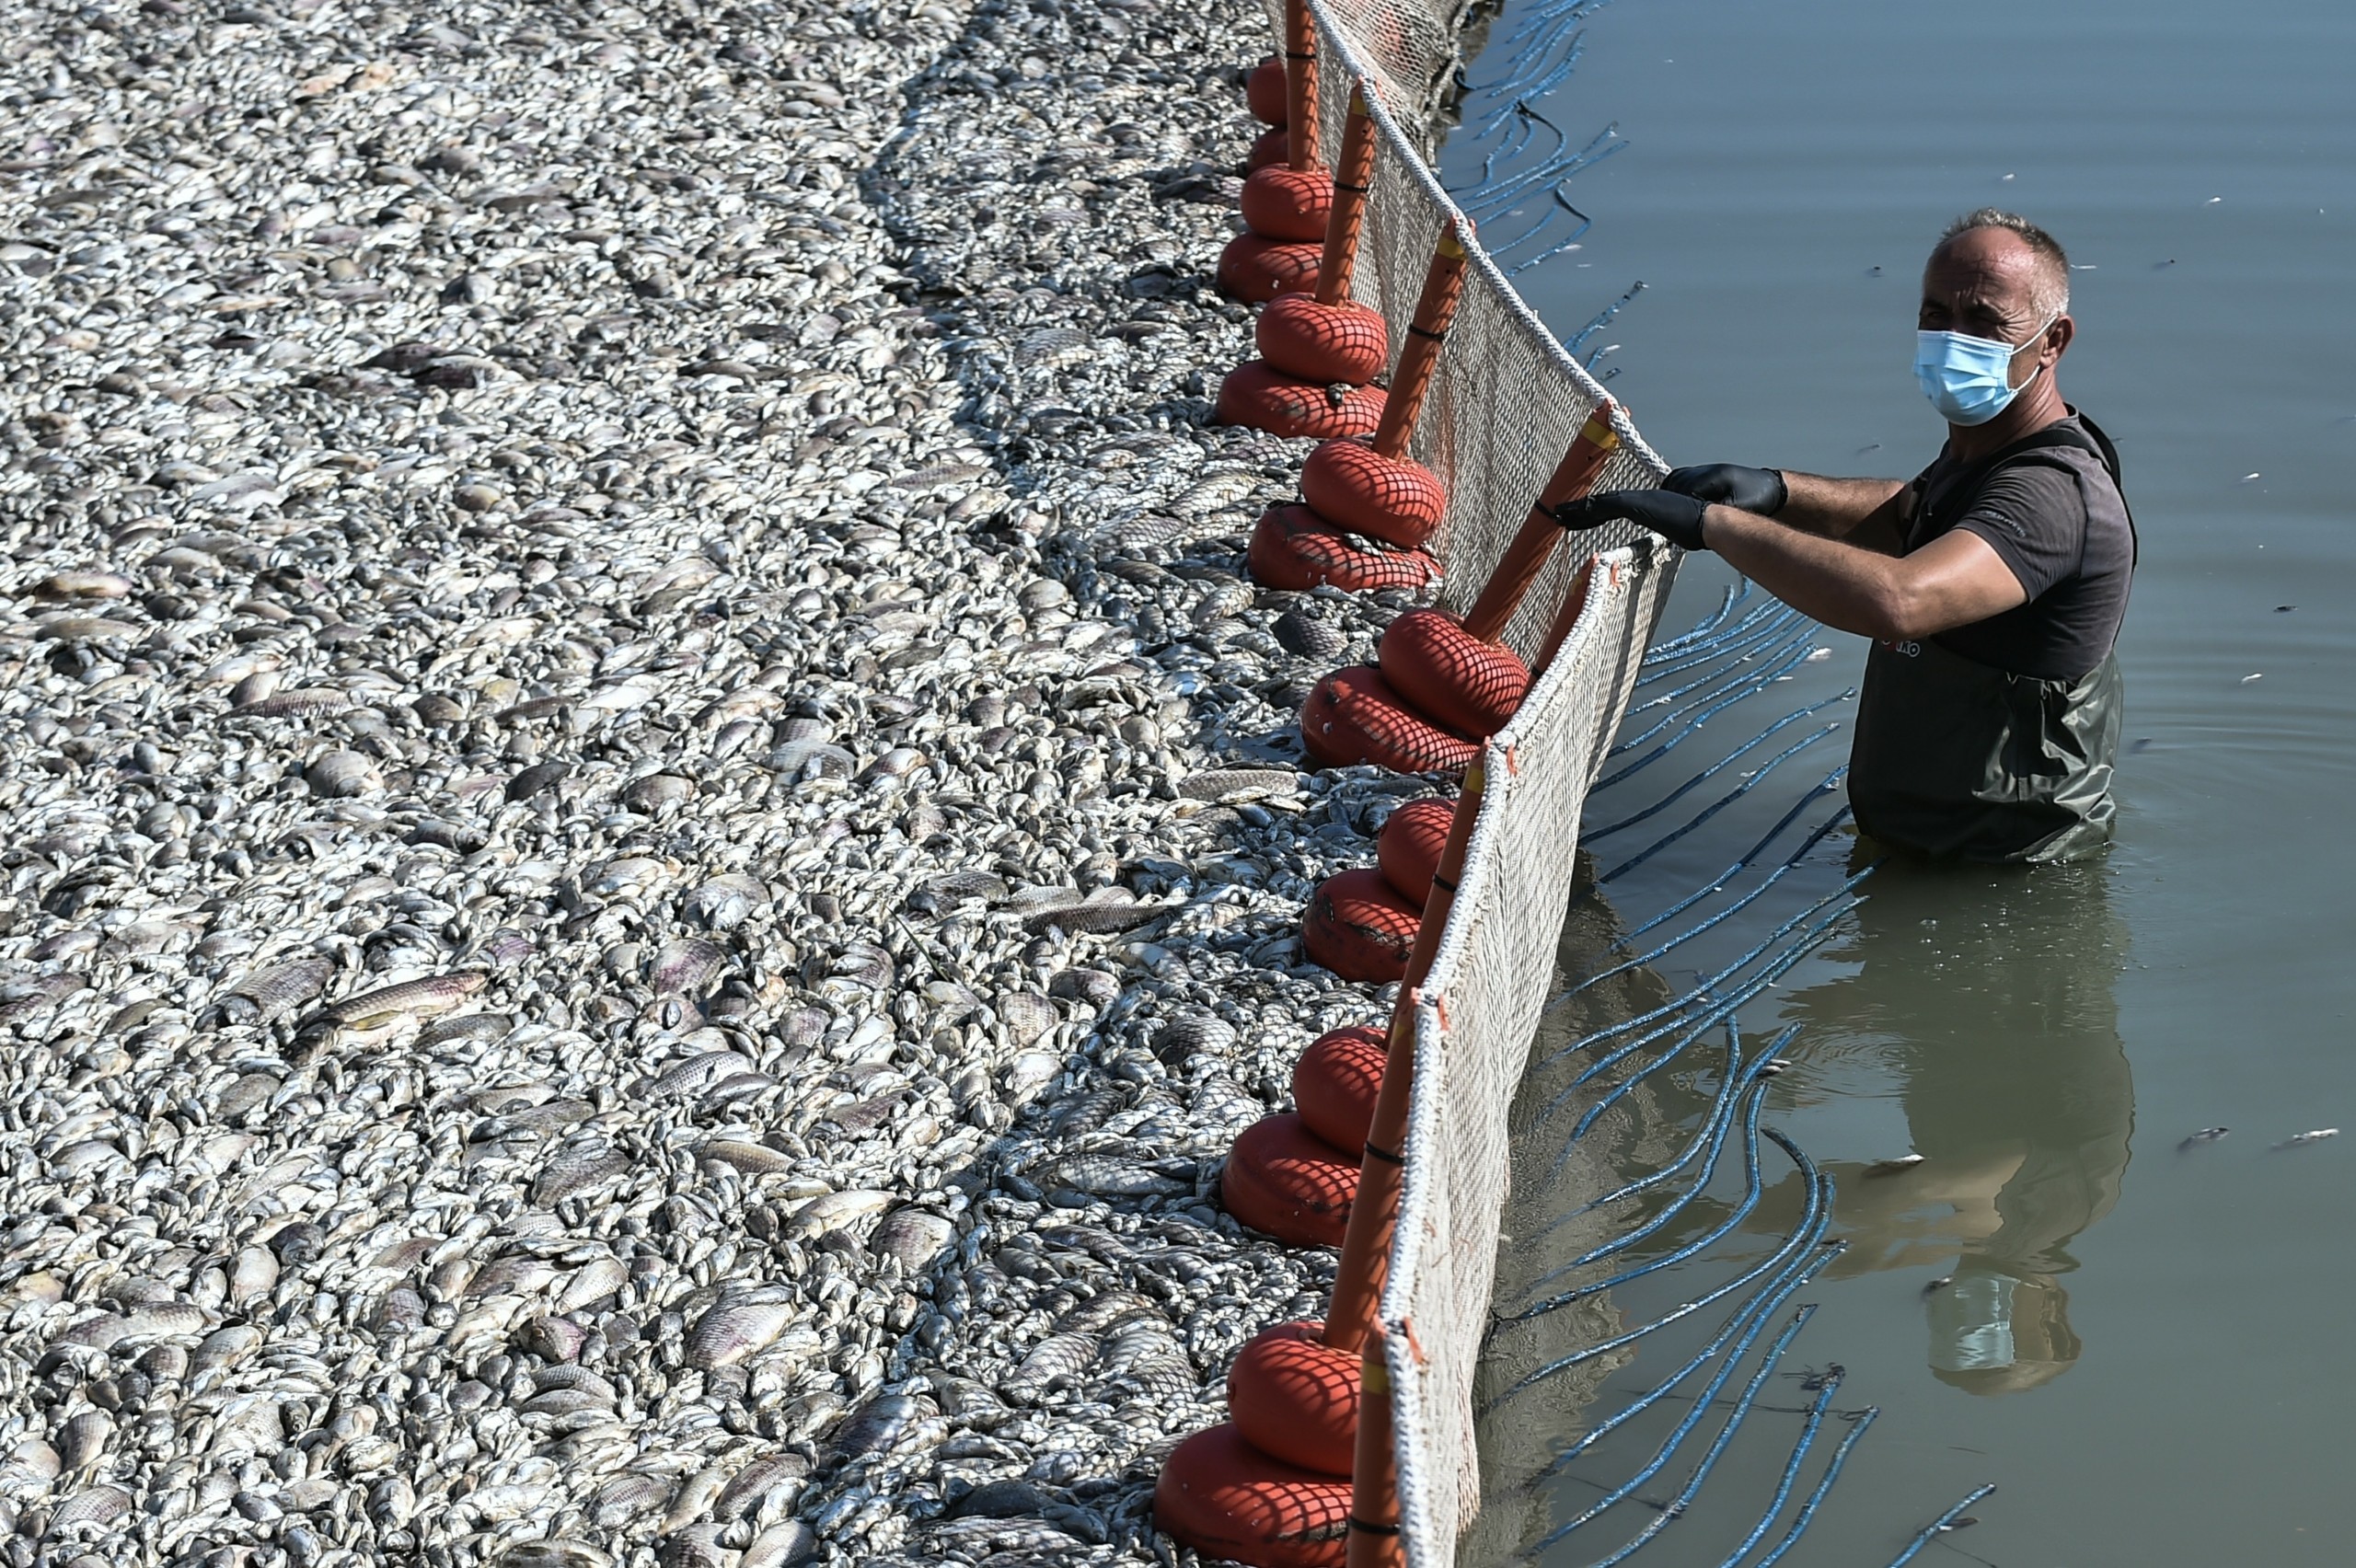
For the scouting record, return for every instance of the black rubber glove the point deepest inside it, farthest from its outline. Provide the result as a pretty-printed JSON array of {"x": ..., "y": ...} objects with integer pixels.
[
  {"x": 1677, "y": 518},
  {"x": 1759, "y": 491}
]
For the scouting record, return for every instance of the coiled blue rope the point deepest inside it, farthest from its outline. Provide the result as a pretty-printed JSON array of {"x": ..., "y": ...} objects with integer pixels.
[
  {"x": 1806, "y": 1516},
  {"x": 1922, "y": 1537}
]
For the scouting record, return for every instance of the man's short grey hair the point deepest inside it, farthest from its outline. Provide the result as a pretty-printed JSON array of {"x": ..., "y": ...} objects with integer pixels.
[{"x": 2053, "y": 262}]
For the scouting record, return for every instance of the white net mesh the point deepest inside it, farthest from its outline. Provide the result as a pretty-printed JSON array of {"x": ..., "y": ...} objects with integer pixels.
[{"x": 1505, "y": 404}]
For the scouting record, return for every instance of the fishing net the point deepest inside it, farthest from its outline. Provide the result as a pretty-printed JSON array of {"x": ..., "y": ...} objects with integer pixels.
[{"x": 1505, "y": 404}]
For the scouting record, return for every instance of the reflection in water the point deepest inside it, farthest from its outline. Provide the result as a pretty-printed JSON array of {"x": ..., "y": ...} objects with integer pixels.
[{"x": 1988, "y": 993}]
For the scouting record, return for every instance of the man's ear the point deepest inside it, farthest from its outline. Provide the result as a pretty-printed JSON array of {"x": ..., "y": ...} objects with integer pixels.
[{"x": 2060, "y": 335}]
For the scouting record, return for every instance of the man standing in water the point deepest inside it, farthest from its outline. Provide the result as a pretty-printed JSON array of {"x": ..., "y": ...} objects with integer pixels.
[{"x": 1993, "y": 584}]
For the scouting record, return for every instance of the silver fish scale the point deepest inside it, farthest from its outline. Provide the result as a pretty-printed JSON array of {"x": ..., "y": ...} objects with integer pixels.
[{"x": 480, "y": 759}]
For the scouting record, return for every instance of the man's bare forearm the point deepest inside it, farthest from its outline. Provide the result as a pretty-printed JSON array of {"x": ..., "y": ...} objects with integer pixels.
[{"x": 1839, "y": 509}]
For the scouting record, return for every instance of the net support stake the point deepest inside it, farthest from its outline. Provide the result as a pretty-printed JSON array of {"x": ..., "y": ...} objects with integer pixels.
[
  {"x": 1300, "y": 84},
  {"x": 1374, "y": 1213},
  {"x": 1435, "y": 313},
  {"x": 1534, "y": 545},
  {"x": 1375, "y": 1538},
  {"x": 1352, "y": 177}
]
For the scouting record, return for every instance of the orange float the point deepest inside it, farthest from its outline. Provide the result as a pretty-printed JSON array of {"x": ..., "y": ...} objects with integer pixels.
[
  {"x": 1258, "y": 396},
  {"x": 1284, "y": 1180},
  {"x": 1335, "y": 1082},
  {"x": 1353, "y": 716},
  {"x": 1285, "y": 202},
  {"x": 1376, "y": 489},
  {"x": 1271, "y": 148},
  {"x": 1295, "y": 1397},
  {"x": 1255, "y": 269},
  {"x": 1445, "y": 672},
  {"x": 1359, "y": 927},
  {"x": 1292, "y": 549},
  {"x": 1225, "y": 1498},
  {"x": 1408, "y": 847},
  {"x": 1264, "y": 91}
]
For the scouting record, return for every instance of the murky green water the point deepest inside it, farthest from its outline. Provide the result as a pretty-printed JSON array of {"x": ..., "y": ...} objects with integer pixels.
[{"x": 2146, "y": 1349}]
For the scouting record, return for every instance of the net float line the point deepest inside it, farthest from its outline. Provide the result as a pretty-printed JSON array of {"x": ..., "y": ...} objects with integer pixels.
[
  {"x": 1375, "y": 1540},
  {"x": 1353, "y": 715},
  {"x": 1284, "y": 1180},
  {"x": 1378, "y": 489},
  {"x": 1294, "y": 548},
  {"x": 1459, "y": 673},
  {"x": 1280, "y": 1178},
  {"x": 1294, "y": 1392},
  {"x": 1437, "y": 682},
  {"x": 1347, "y": 916},
  {"x": 1266, "y": 91},
  {"x": 1328, "y": 336}
]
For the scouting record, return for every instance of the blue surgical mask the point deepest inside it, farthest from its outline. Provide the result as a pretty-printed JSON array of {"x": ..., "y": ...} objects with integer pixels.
[{"x": 1968, "y": 379}]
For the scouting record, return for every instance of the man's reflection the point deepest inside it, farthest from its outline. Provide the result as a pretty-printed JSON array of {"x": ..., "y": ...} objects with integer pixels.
[{"x": 1990, "y": 996}]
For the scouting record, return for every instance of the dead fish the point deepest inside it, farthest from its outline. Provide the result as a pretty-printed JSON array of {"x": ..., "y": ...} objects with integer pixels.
[
  {"x": 94, "y": 1505},
  {"x": 832, "y": 1211},
  {"x": 685, "y": 966},
  {"x": 782, "y": 1546},
  {"x": 731, "y": 1331},
  {"x": 410, "y": 999},
  {"x": 577, "y": 1172},
  {"x": 882, "y": 1423},
  {"x": 1892, "y": 1167},
  {"x": 1231, "y": 785},
  {"x": 914, "y": 1237},
  {"x": 2296, "y": 1139},
  {"x": 2205, "y": 1135},
  {"x": 753, "y": 1160},
  {"x": 752, "y": 1486},
  {"x": 296, "y": 702},
  {"x": 1938, "y": 1285},
  {"x": 1052, "y": 1362},
  {"x": 273, "y": 992}
]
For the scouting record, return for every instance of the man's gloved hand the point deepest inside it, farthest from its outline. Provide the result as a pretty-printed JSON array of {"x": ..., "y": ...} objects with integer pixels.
[
  {"x": 1759, "y": 491},
  {"x": 1677, "y": 518}
]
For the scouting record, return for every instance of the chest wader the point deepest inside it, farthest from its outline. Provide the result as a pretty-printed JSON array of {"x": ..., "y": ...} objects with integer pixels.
[{"x": 1956, "y": 758}]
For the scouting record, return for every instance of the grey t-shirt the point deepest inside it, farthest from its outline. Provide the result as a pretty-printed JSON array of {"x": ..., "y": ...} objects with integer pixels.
[{"x": 2058, "y": 520}]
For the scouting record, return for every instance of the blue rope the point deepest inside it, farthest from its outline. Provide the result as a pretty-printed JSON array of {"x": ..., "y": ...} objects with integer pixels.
[
  {"x": 1809, "y": 941},
  {"x": 1806, "y": 1515},
  {"x": 1731, "y": 1082},
  {"x": 1734, "y": 908},
  {"x": 1792, "y": 654},
  {"x": 1791, "y": 1470},
  {"x": 1813, "y": 1225},
  {"x": 1701, "y": 991},
  {"x": 1750, "y": 648},
  {"x": 1744, "y": 1077},
  {"x": 1568, "y": 242},
  {"x": 1754, "y": 1184},
  {"x": 1730, "y": 797},
  {"x": 1764, "y": 1302},
  {"x": 1735, "y": 1418},
  {"x": 1824, "y": 786},
  {"x": 1754, "y": 627},
  {"x": 1922, "y": 1537},
  {"x": 1736, "y": 592}
]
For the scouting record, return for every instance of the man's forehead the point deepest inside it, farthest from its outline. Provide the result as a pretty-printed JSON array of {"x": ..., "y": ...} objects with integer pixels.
[{"x": 1982, "y": 263}]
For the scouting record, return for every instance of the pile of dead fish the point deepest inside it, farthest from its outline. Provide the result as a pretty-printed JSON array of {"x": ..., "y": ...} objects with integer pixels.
[{"x": 651, "y": 837}]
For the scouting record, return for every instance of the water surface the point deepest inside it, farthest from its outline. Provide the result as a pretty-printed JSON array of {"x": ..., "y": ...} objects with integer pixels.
[{"x": 2146, "y": 1349}]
